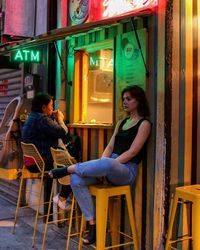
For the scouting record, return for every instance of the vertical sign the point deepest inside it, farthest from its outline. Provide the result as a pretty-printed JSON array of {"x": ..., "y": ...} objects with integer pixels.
[{"x": 130, "y": 67}]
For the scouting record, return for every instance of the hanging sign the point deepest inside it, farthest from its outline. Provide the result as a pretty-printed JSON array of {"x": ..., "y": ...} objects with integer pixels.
[
  {"x": 115, "y": 8},
  {"x": 81, "y": 11},
  {"x": 111, "y": 8},
  {"x": 27, "y": 55}
]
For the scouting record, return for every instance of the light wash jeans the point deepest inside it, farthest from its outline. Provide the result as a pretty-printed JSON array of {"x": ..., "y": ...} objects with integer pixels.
[{"x": 87, "y": 173}]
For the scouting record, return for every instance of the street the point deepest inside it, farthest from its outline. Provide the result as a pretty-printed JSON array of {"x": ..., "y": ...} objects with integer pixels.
[{"x": 21, "y": 240}]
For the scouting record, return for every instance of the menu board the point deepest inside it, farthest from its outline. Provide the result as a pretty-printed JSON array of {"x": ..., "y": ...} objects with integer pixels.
[{"x": 130, "y": 68}]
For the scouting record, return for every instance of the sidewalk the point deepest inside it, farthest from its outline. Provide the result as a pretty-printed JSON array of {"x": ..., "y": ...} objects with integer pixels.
[{"x": 21, "y": 240}]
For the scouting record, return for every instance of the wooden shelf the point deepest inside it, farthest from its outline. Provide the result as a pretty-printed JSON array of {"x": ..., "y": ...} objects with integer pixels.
[{"x": 90, "y": 125}]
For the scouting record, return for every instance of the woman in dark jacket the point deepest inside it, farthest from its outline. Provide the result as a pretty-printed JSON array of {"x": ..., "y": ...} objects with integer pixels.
[{"x": 43, "y": 128}]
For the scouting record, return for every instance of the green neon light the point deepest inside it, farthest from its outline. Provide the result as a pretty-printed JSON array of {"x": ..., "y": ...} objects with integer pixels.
[
  {"x": 35, "y": 56},
  {"x": 26, "y": 55},
  {"x": 101, "y": 63},
  {"x": 94, "y": 62},
  {"x": 18, "y": 56}
]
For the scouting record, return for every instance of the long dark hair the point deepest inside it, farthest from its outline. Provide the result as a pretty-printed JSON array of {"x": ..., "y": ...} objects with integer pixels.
[
  {"x": 139, "y": 94},
  {"x": 39, "y": 100}
]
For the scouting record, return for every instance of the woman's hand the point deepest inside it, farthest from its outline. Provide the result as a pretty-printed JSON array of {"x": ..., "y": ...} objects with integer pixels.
[{"x": 58, "y": 115}]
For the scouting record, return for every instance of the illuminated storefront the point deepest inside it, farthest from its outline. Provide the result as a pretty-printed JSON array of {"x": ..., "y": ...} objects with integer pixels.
[
  {"x": 108, "y": 44},
  {"x": 105, "y": 63},
  {"x": 100, "y": 63}
]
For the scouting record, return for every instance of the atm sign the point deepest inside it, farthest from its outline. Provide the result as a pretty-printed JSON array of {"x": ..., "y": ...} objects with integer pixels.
[{"x": 27, "y": 55}]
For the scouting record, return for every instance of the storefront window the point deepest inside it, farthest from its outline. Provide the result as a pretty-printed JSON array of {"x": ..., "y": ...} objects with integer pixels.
[{"x": 95, "y": 87}]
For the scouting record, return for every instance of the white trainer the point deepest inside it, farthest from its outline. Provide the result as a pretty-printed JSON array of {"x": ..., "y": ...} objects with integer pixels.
[{"x": 64, "y": 205}]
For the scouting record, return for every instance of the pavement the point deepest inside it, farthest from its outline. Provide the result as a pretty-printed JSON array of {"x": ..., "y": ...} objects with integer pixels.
[{"x": 21, "y": 240}]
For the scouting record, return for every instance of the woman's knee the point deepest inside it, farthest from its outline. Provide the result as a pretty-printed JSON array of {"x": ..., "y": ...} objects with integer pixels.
[
  {"x": 75, "y": 180},
  {"x": 109, "y": 163}
]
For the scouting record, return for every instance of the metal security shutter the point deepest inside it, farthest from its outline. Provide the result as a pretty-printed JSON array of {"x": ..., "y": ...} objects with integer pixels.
[{"x": 10, "y": 87}]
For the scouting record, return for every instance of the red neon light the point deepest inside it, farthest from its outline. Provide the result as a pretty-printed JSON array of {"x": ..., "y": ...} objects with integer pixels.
[{"x": 111, "y": 8}]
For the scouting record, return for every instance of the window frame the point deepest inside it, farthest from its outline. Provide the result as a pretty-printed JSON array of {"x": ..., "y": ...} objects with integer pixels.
[{"x": 79, "y": 60}]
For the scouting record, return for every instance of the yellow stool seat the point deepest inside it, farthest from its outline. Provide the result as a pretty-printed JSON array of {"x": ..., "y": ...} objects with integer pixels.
[
  {"x": 102, "y": 194},
  {"x": 8, "y": 174},
  {"x": 189, "y": 194}
]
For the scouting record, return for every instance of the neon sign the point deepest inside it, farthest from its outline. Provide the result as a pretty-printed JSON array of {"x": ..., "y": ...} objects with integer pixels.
[
  {"x": 26, "y": 55},
  {"x": 101, "y": 63},
  {"x": 115, "y": 8}
]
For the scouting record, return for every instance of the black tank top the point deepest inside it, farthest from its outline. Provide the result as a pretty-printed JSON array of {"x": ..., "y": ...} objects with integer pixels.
[{"x": 124, "y": 139}]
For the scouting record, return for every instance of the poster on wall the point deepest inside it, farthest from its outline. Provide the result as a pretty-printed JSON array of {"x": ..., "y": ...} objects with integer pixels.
[
  {"x": 78, "y": 11},
  {"x": 131, "y": 69}
]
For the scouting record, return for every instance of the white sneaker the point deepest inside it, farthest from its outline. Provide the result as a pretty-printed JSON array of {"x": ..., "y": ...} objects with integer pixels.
[{"x": 64, "y": 205}]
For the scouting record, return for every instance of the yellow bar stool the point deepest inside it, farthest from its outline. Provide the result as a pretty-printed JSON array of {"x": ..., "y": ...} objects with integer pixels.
[
  {"x": 61, "y": 158},
  {"x": 29, "y": 150},
  {"x": 186, "y": 194},
  {"x": 103, "y": 193}
]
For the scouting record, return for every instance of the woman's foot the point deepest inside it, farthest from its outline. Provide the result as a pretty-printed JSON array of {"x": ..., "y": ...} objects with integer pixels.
[
  {"x": 57, "y": 173},
  {"x": 91, "y": 236}
]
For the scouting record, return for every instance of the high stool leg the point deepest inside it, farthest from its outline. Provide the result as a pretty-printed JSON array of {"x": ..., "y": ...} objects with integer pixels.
[
  {"x": 132, "y": 219},
  {"x": 70, "y": 223},
  {"x": 101, "y": 218},
  {"x": 81, "y": 232},
  {"x": 195, "y": 225},
  {"x": 18, "y": 203},
  {"x": 114, "y": 218},
  {"x": 171, "y": 222},
  {"x": 76, "y": 216},
  {"x": 47, "y": 216},
  {"x": 37, "y": 212}
]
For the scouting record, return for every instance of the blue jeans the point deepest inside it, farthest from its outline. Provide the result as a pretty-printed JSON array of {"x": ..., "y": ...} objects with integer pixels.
[{"x": 87, "y": 173}]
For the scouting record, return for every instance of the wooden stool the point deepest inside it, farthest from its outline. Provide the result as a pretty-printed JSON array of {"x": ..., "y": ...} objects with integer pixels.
[
  {"x": 102, "y": 194},
  {"x": 191, "y": 194}
]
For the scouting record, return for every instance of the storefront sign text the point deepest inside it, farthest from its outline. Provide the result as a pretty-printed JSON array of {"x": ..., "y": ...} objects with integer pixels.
[
  {"x": 101, "y": 63},
  {"x": 115, "y": 8},
  {"x": 26, "y": 55}
]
